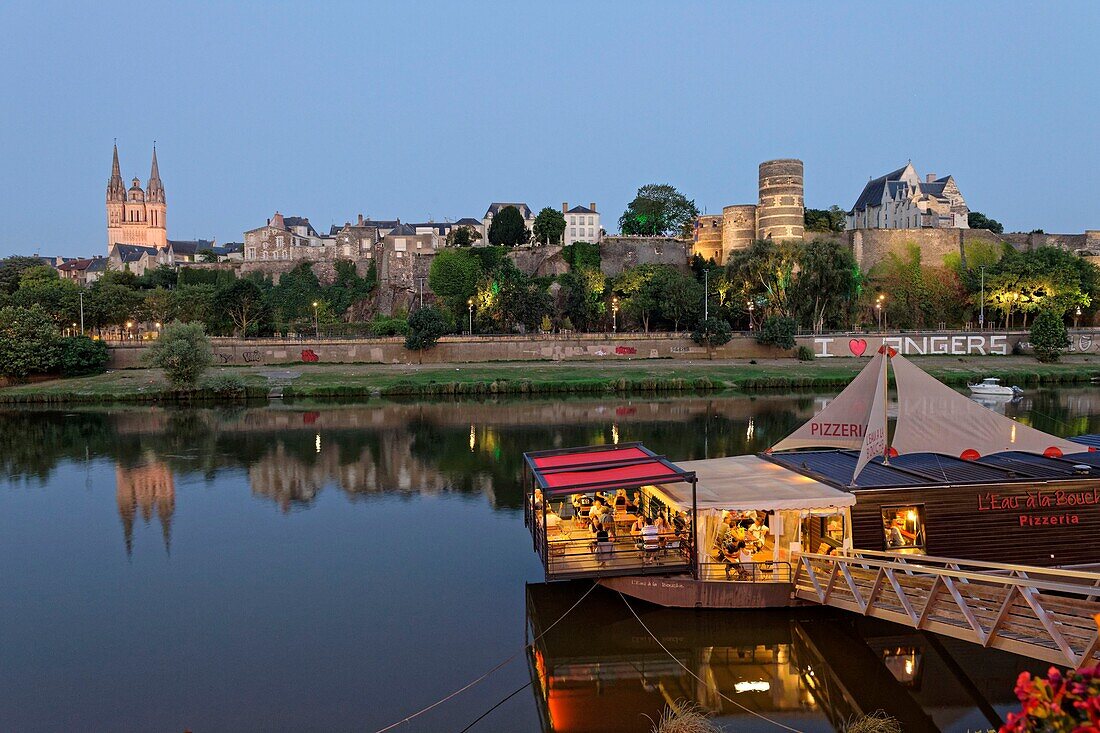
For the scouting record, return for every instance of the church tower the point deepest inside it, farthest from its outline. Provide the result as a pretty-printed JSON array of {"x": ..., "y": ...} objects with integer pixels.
[{"x": 134, "y": 215}]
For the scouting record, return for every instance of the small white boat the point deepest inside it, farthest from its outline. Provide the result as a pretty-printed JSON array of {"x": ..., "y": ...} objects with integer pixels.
[{"x": 993, "y": 386}]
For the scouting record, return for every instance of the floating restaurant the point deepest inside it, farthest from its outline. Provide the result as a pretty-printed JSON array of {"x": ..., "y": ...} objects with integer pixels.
[{"x": 951, "y": 480}]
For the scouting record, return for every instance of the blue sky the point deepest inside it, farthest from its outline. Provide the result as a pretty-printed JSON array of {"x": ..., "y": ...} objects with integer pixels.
[{"x": 419, "y": 109}]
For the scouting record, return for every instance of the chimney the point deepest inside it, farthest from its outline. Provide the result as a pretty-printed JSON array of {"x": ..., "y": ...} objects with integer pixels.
[
  {"x": 360, "y": 220},
  {"x": 592, "y": 206},
  {"x": 564, "y": 206},
  {"x": 931, "y": 177}
]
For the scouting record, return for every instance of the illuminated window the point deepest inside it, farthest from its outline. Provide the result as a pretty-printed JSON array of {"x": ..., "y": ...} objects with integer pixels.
[{"x": 903, "y": 528}]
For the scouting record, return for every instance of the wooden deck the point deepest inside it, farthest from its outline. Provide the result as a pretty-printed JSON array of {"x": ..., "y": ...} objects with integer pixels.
[{"x": 1042, "y": 613}]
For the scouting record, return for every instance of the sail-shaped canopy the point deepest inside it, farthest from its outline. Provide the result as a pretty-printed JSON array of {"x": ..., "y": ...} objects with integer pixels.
[
  {"x": 875, "y": 436},
  {"x": 933, "y": 418},
  {"x": 843, "y": 422}
]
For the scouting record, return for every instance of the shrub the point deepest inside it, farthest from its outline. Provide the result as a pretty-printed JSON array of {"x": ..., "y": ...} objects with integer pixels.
[
  {"x": 1057, "y": 702},
  {"x": 383, "y": 326},
  {"x": 804, "y": 353},
  {"x": 183, "y": 352},
  {"x": 426, "y": 326},
  {"x": 688, "y": 717},
  {"x": 547, "y": 325},
  {"x": 29, "y": 342},
  {"x": 876, "y": 722},
  {"x": 229, "y": 386},
  {"x": 1048, "y": 336},
  {"x": 777, "y": 331},
  {"x": 82, "y": 355},
  {"x": 712, "y": 332}
]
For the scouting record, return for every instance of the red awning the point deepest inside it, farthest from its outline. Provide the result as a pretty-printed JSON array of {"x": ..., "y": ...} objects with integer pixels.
[{"x": 602, "y": 468}]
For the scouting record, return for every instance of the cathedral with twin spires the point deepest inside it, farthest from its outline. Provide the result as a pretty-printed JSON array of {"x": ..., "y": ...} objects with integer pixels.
[{"x": 136, "y": 215}]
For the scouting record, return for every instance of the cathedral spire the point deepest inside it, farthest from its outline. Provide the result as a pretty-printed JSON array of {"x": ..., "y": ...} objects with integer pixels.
[
  {"x": 156, "y": 188},
  {"x": 116, "y": 189}
]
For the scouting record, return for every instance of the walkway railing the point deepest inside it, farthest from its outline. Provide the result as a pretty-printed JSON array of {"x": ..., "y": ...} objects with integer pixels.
[{"x": 1037, "y": 612}]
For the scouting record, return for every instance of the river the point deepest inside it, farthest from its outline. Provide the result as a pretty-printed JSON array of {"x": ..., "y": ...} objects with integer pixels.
[{"x": 337, "y": 567}]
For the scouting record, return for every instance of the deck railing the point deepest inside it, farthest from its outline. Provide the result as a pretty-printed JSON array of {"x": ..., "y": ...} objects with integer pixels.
[
  {"x": 579, "y": 557},
  {"x": 757, "y": 571}
]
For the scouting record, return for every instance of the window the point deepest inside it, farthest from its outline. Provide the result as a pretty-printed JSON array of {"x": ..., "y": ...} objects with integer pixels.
[
  {"x": 590, "y": 221},
  {"x": 903, "y": 528},
  {"x": 399, "y": 244},
  {"x": 419, "y": 244},
  {"x": 572, "y": 231}
]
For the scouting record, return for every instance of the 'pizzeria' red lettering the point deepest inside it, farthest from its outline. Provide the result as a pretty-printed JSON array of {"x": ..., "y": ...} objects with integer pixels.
[{"x": 837, "y": 429}]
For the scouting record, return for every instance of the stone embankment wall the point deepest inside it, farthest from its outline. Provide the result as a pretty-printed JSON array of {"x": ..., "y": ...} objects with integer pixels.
[
  {"x": 621, "y": 253},
  {"x": 599, "y": 347}
]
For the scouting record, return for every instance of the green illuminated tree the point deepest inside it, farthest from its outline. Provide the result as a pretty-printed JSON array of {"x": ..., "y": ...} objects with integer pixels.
[
  {"x": 454, "y": 276},
  {"x": 659, "y": 210},
  {"x": 549, "y": 226}
]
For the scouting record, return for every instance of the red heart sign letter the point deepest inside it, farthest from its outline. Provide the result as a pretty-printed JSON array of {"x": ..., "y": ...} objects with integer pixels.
[{"x": 857, "y": 346}]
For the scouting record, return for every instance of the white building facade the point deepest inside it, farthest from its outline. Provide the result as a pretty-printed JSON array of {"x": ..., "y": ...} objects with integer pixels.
[
  {"x": 901, "y": 200},
  {"x": 582, "y": 224}
]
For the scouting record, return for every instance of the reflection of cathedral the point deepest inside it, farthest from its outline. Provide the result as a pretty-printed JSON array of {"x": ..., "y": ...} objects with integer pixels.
[{"x": 147, "y": 488}]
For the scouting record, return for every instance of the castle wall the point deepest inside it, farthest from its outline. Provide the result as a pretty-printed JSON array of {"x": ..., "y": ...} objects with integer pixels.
[
  {"x": 781, "y": 211},
  {"x": 619, "y": 253},
  {"x": 708, "y": 238},
  {"x": 738, "y": 228}
]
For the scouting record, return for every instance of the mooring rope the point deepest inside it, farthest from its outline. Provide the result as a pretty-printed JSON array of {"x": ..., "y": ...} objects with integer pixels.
[
  {"x": 467, "y": 686},
  {"x": 705, "y": 683},
  {"x": 510, "y": 695}
]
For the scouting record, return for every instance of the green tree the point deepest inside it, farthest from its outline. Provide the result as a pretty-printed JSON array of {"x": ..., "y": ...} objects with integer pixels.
[
  {"x": 679, "y": 296},
  {"x": 426, "y": 327},
  {"x": 765, "y": 274},
  {"x": 349, "y": 287},
  {"x": 978, "y": 220},
  {"x": 658, "y": 210},
  {"x": 712, "y": 332},
  {"x": 516, "y": 299},
  {"x": 508, "y": 228},
  {"x": 110, "y": 302},
  {"x": 158, "y": 306},
  {"x": 41, "y": 285},
  {"x": 29, "y": 342},
  {"x": 82, "y": 355},
  {"x": 581, "y": 298},
  {"x": 11, "y": 270},
  {"x": 293, "y": 298},
  {"x": 638, "y": 293},
  {"x": 462, "y": 236},
  {"x": 1048, "y": 336},
  {"x": 194, "y": 303},
  {"x": 826, "y": 285},
  {"x": 1046, "y": 278},
  {"x": 183, "y": 352},
  {"x": 454, "y": 276},
  {"x": 777, "y": 331},
  {"x": 243, "y": 303},
  {"x": 581, "y": 255},
  {"x": 824, "y": 220},
  {"x": 549, "y": 226},
  {"x": 161, "y": 276}
]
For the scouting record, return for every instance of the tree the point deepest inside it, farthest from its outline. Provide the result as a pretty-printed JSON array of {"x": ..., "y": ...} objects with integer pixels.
[
  {"x": 82, "y": 355},
  {"x": 679, "y": 297},
  {"x": 1048, "y": 336},
  {"x": 29, "y": 342},
  {"x": 1047, "y": 278},
  {"x": 978, "y": 220},
  {"x": 824, "y": 220},
  {"x": 765, "y": 272},
  {"x": 294, "y": 296},
  {"x": 549, "y": 226},
  {"x": 426, "y": 327},
  {"x": 462, "y": 236},
  {"x": 41, "y": 285},
  {"x": 517, "y": 299},
  {"x": 161, "y": 276},
  {"x": 508, "y": 228},
  {"x": 109, "y": 302},
  {"x": 11, "y": 269},
  {"x": 580, "y": 299},
  {"x": 712, "y": 332},
  {"x": 581, "y": 255},
  {"x": 194, "y": 303},
  {"x": 349, "y": 287},
  {"x": 243, "y": 302},
  {"x": 777, "y": 331},
  {"x": 454, "y": 276},
  {"x": 658, "y": 210},
  {"x": 638, "y": 293},
  {"x": 183, "y": 352},
  {"x": 826, "y": 285},
  {"x": 159, "y": 306}
]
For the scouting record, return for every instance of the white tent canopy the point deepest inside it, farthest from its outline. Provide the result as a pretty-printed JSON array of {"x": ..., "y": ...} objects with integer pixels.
[{"x": 744, "y": 483}]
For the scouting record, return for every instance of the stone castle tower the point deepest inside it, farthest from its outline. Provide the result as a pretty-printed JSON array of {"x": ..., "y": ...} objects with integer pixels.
[{"x": 136, "y": 216}]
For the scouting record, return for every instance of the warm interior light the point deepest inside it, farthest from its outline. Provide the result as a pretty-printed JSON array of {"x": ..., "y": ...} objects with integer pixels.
[{"x": 756, "y": 686}]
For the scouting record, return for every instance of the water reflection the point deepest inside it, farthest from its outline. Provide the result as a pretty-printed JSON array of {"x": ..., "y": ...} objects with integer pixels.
[
  {"x": 811, "y": 669},
  {"x": 146, "y": 489}
]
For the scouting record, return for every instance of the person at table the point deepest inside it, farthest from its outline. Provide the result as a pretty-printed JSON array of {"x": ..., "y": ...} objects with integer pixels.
[
  {"x": 635, "y": 505},
  {"x": 758, "y": 532},
  {"x": 664, "y": 529},
  {"x": 538, "y": 500},
  {"x": 601, "y": 512},
  {"x": 744, "y": 560},
  {"x": 636, "y": 528},
  {"x": 650, "y": 537},
  {"x": 582, "y": 505}
]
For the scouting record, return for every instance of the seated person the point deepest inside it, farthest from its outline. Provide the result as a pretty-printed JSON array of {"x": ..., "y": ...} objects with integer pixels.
[
  {"x": 553, "y": 521},
  {"x": 635, "y": 505},
  {"x": 758, "y": 531},
  {"x": 601, "y": 512},
  {"x": 651, "y": 542},
  {"x": 639, "y": 524},
  {"x": 620, "y": 500},
  {"x": 894, "y": 537},
  {"x": 538, "y": 499},
  {"x": 744, "y": 559},
  {"x": 604, "y": 544},
  {"x": 582, "y": 505}
]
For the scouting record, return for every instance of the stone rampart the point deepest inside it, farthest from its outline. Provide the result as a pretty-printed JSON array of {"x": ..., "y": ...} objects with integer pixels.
[{"x": 620, "y": 253}]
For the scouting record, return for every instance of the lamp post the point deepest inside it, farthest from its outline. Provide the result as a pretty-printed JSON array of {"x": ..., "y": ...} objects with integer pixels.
[
  {"x": 706, "y": 293},
  {"x": 614, "y": 313},
  {"x": 752, "y": 307},
  {"x": 470, "y": 304},
  {"x": 1076, "y": 315},
  {"x": 316, "y": 322},
  {"x": 981, "y": 312},
  {"x": 129, "y": 327},
  {"x": 73, "y": 330},
  {"x": 81, "y": 312},
  {"x": 421, "y": 279},
  {"x": 881, "y": 313}
]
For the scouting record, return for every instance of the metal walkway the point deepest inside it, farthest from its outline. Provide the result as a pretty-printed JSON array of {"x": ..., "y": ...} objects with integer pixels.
[{"x": 1043, "y": 613}]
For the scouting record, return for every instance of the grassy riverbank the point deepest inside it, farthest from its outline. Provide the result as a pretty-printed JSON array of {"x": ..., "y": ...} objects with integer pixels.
[{"x": 358, "y": 381}]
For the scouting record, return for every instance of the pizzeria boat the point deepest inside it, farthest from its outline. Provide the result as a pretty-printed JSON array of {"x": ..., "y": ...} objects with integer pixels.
[
  {"x": 993, "y": 387},
  {"x": 947, "y": 478}
]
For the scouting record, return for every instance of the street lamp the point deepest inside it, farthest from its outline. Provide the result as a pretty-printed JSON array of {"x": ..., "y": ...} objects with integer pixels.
[
  {"x": 752, "y": 307},
  {"x": 881, "y": 313},
  {"x": 129, "y": 327},
  {"x": 316, "y": 321},
  {"x": 470, "y": 303},
  {"x": 615, "y": 313},
  {"x": 81, "y": 312},
  {"x": 1076, "y": 315}
]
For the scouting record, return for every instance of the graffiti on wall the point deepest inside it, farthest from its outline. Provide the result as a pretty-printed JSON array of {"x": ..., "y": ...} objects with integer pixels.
[{"x": 951, "y": 345}]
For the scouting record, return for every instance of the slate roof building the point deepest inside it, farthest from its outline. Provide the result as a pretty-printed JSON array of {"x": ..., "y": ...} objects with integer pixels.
[
  {"x": 495, "y": 208},
  {"x": 83, "y": 271},
  {"x": 901, "y": 200},
  {"x": 582, "y": 224}
]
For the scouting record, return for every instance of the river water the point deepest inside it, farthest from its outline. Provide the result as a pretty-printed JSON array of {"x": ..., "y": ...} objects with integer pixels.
[{"x": 337, "y": 567}]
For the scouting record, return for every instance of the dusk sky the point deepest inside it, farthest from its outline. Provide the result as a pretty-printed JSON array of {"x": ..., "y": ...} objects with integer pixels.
[{"x": 434, "y": 110}]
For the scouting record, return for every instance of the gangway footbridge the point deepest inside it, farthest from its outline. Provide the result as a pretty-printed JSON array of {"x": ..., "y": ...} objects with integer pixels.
[{"x": 1044, "y": 613}]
